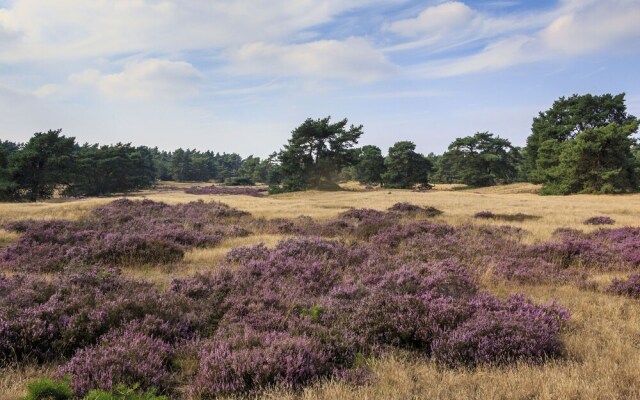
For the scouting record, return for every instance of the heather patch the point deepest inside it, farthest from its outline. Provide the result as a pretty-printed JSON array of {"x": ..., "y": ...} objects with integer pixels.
[
  {"x": 123, "y": 232},
  {"x": 629, "y": 287},
  {"x": 601, "y": 220},
  {"x": 225, "y": 190},
  {"x": 518, "y": 217},
  {"x": 310, "y": 308}
]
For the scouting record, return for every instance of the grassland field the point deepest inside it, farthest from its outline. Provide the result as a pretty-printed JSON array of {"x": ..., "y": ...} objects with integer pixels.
[{"x": 602, "y": 339}]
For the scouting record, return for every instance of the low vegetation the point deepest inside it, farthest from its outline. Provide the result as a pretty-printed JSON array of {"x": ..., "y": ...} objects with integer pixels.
[{"x": 326, "y": 304}]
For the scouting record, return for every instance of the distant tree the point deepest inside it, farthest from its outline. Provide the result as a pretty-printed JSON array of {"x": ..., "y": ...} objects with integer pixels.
[
  {"x": 567, "y": 118},
  {"x": 43, "y": 164},
  {"x": 162, "y": 164},
  {"x": 101, "y": 170},
  {"x": 181, "y": 165},
  {"x": 370, "y": 165},
  {"x": 268, "y": 171},
  {"x": 482, "y": 160},
  {"x": 316, "y": 153},
  {"x": 8, "y": 186},
  {"x": 405, "y": 167},
  {"x": 249, "y": 167}
]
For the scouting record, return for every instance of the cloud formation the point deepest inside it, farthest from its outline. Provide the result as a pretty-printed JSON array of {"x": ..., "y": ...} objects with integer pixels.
[
  {"x": 353, "y": 59},
  {"x": 146, "y": 79}
]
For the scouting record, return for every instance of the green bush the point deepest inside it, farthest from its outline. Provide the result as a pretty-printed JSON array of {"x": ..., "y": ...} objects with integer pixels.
[
  {"x": 47, "y": 389},
  {"x": 122, "y": 392}
]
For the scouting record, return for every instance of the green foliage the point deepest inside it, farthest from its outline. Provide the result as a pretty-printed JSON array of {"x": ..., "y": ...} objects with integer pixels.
[
  {"x": 122, "y": 392},
  {"x": 100, "y": 170},
  {"x": 598, "y": 160},
  {"x": 316, "y": 153},
  {"x": 47, "y": 389},
  {"x": 566, "y": 118},
  {"x": 370, "y": 165},
  {"x": 314, "y": 312},
  {"x": 405, "y": 167},
  {"x": 42, "y": 165},
  {"x": 584, "y": 144},
  {"x": 240, "y": 181},
  {"x": 480, "y": 160}
]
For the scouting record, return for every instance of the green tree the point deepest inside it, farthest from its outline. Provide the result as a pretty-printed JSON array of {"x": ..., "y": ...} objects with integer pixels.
[
  {"x": 316, "y": 153},
  {"x": 482, "y": 160},
  {"x": 43, "y": 164},
  {"x": 101, "y": 170},
  {"x": 566, "y": 118},
  {"x": 597, "y": 160},
  {"x": 370, "y": 165},
  {"x": 405, "y": 167}
]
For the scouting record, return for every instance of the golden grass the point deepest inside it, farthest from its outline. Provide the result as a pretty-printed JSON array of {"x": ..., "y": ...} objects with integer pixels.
[
  {"x": 459, "y": 206},
  {"x": 602, "y": 339}
]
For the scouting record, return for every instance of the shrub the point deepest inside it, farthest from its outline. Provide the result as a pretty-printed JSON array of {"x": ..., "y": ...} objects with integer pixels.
[
  {"x": 602, "y": 220},
  {"x": 127, "y": 357},
  {"x": 47, "y": 389},
  {"x": 215, "y": 190},
  {"x": 502, "y": 332},
  {"x": 629, "y": 287},
  {"x": 411, "y": 209},
  {"x": 518, "y": 217},
  {"x": 484, "y": 215},
  {"x": 258, "y": 361}
]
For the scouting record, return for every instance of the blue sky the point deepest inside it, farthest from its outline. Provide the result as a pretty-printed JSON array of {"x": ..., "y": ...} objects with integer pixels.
[{"x": 239, "y": 75}]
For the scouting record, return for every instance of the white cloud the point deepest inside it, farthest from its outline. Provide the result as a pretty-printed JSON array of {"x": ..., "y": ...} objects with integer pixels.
[
  {"x": 589, "y": 26},
  {"x": 578, "y": 27},
  {"x": 352, "y": 59},
  {"x": 453, "y": 24},
  {"x": 75, "y": 29},
  {"x": 434, "y": 20},
  {"x": 147, "y": 79}
]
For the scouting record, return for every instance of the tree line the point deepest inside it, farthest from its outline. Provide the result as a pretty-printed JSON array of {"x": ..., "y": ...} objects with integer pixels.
[{"x": 582, "y": 144}]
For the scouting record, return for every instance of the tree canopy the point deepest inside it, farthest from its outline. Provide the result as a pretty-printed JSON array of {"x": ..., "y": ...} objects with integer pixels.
[
  {"x": 370, "y": 165},
  {"x": 316, "y": 153},
  {"x": 566, "y": 118},
  {"x": 480, "y": 160},
  {"x": 583, "y": 144},
  {"x": 405, "y": 167}
]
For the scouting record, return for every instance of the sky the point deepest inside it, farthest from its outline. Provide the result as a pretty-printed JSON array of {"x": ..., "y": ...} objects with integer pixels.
[{"x": 240, "y": 75}]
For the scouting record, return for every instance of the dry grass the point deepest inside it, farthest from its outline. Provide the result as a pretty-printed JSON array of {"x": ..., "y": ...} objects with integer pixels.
[
  {"x": 14, "y": 379},
  {"x": 602, "y": 340},
  {"x": 459, "y": 206}
]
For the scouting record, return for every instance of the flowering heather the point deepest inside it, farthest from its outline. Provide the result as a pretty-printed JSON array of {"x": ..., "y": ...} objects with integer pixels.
[
  {"x": 501, "y": 332},
  {"x": 602, "y": 220},
  {"x": 256, "y": 361},
  {"x": 629, "y": 287},
  {"x": 518, "y": 217},
  {"x": 127, "y": 357},
  {"x": 245, "y": 191},
  {"x": 309, "y": 308},
  {"x": 122, "y": 232},
  {"x": 412, "y": 209}
]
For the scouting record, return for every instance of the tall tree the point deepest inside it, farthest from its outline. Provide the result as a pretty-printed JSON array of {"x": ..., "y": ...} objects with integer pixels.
[
  {"x": 316, "y": 153},
  {"x": 566, "y": 118},
  {"x": 598, "y": 160},
  {"x": 43, "y": 164},
  {"x": 405, "y": 167},
  {"x": 482, "y": 160}
]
